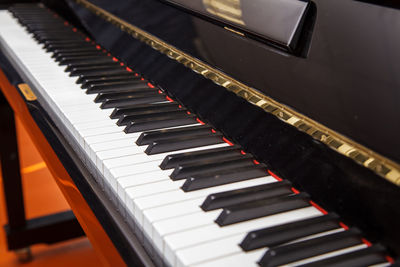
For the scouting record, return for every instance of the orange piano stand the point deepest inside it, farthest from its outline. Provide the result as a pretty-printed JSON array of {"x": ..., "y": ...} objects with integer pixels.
[{"x": 21, "y": 233}]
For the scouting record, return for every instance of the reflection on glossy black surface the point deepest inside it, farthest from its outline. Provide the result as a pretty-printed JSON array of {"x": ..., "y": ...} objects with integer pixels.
[
  {"x": 348, "y": 82},
  {"x": 278, "y": 21}
]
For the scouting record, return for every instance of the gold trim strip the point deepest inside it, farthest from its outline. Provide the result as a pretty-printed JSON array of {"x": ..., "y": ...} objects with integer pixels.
[
  {"x": 382, "y": 166},
  {"x": 27, "y": 92},
  {"x": 234, "y": 31}
]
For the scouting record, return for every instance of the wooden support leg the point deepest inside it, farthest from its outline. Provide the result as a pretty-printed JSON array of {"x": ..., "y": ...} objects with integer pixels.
[{"x": 20, "y": 232}]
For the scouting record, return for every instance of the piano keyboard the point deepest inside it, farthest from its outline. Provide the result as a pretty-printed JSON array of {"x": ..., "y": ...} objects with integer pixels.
[{"x": 199, "y": 199}]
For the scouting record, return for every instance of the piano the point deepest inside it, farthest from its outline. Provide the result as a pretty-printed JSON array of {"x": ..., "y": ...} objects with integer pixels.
[{"x": 217, "y": 132}]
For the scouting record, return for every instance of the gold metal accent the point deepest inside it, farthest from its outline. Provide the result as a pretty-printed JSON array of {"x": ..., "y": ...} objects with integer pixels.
[
  {"x": 381, "y": 165},
  {"x": 27, "y": 92},
  {"x": 234, "y": 31},
  {"x": 226, "y": 9}
]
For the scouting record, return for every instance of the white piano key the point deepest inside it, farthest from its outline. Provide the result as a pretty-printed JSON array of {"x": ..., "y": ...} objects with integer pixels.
[
  {"x": 236, "y": 260},
  {"x": 148, "y": 189},
  {"x": 188, "y": 256},
  {"x": 200, "y": 254},
  {"x": 140, "y": 179},
  {"x": 328, "y": 255},
  {"x": 179, "y": 224}
]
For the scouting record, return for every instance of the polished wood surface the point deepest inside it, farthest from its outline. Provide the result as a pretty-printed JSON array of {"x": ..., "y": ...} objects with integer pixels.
[
  {"x": 42, "y": 197},
  {"x": 106, "y": 251}
]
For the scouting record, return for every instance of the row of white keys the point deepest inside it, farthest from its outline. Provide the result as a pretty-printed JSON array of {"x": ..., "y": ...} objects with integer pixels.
[
  {"x": 229, "y": 250},
  {"x": 109, "y": 154},
  {"x": 125, "y": 168},
  {"x": 119, "y": 153},
  {"x": 176, "y": 246},
  {"x": 125, "y": 172},
  {"x": 116, "y": 146},
  {"x": 146, "y": 163},
  {"x": 64, "y": 96},
  {"x": 230, "y": 254},
  {"x": 158, "y": 219},
  {"x": 162, "y": 188},
  {"x": 252, "y": 257},
  {"x": 171, "y": 182},
  {"x": 189, "y": 221}
]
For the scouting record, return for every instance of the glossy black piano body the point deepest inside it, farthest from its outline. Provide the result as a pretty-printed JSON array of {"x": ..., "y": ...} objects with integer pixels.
[{"x": 342, "y": 73}]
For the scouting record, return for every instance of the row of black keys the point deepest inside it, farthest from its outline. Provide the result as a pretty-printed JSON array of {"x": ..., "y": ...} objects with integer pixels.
[{"x": 117, "y": 88}]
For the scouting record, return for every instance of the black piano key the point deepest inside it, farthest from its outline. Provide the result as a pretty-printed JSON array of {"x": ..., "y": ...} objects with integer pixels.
[
  {"x": 261, "y": 208},
  {"x": 77, "y": 71},
  {"x": 309, "y": 248},
  {"x": 104, "y": 97},
  {"x": 48, "y": 26},
  {"x": 147, "y": 138},
  {"x": 277, "y": 235},
  {"x": 210, "y": 165},
  {"x": 234, "y": 197},
  {"x": 71, "y": 60},
  {"x": 67, "y": 41},
  {"x": 43, "y": 38},
  {"x": 53, "y": 34},
  {"x": 173, "y": 160},
  {"x": 40, "y": 21},
  {"x": 101, "y": 73},
  {"x": 40, "y": 28},
  {"x": 53, "y": 47},
  {"x": 44, "y": 25},
  {"x": 96, "y": 66},
  {"x": 39, "y": 31},
  {"x": 148, "y": 124},
  {"x": 75, "y": 41},
  {"x": 119, "y": 103},
  {"x": 69, "y": 50},
  {"x": 56, "y": 31},
  {"x": 103, "y": 77},
  {"x": 179, "y": 143},
  {"x": 363, "y": 257},
  {"x": 125, "y": 119},
  {"x": 64, "y": 56},
  {"x": 200, "y": 181},
  {"x": 115, "y": 87},
  {"x": 166, "y": 106},
  {"x": 49, "y": 46},
  {"x": 122, "y": 78},
  {"x": 97, "y": 61}
]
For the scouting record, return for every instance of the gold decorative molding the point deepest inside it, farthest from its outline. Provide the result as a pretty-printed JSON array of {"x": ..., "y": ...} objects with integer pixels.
[{"x": 381, "y": 165}]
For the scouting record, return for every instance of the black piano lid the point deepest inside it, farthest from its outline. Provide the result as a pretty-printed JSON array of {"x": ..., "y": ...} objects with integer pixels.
[
  {"x": 276, "y": 22},
  {"x": 332, "y": 84}
]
